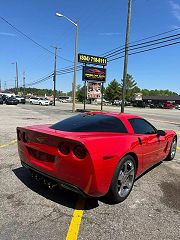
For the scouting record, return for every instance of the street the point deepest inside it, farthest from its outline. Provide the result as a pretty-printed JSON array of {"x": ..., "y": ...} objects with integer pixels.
[{"x": 31, "y": 211}]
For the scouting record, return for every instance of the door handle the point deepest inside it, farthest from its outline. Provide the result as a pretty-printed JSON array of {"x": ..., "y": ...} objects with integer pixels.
[{"x": 140, "y": 141}]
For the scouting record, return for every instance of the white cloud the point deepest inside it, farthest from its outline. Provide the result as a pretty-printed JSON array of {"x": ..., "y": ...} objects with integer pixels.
[
  {"x": 175, "y": 9},
  {"x": 109, "y": 33},
  {"x": 7, "y": 34}
]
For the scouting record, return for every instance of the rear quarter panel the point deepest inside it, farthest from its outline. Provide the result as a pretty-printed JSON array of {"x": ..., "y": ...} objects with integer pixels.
[{"x": 106, "y": 153}]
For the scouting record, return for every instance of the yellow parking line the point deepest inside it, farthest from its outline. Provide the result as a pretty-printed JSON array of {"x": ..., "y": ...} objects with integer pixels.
[
  {"x": 178, "y": 148},
  {"x": 8, "y": 144},
  {"x": 177, "y": 132},
  {"x": 76, "y": 220}
]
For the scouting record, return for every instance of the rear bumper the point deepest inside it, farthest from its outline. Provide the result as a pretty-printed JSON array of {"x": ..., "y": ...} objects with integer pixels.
[
  {"x": 58, "y": 181},
  {"x": 76, "y": 175}
]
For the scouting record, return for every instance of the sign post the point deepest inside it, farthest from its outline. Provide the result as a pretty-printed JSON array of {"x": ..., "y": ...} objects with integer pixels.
[{"x": 94, "y": 76}]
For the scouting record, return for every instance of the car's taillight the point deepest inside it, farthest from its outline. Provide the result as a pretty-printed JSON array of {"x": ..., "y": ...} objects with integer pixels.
[
  {"x": 19, "y": 135},
  {"x": 25, "y": 137},
  {"x": 80, "y": 151},
  {"x": 65, "y": 148}
]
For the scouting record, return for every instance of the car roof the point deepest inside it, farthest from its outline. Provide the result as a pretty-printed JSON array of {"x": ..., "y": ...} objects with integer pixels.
[{"x": 117, "y": 114}]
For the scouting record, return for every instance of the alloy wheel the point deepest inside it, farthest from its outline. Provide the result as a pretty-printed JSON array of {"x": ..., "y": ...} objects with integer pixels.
[
  {"x": 126, "y": 178},
  {"x": 173, "y": 148}
]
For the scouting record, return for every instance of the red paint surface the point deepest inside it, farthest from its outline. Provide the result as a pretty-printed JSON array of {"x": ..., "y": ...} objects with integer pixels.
[{"x": 93, "y": 174}]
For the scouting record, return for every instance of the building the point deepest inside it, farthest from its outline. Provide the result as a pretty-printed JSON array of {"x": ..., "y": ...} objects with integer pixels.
[{"x": 162, "y": 99}]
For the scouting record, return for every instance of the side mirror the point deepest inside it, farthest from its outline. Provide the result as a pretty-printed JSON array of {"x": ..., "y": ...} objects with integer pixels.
[{"x": 161, "y": 133}]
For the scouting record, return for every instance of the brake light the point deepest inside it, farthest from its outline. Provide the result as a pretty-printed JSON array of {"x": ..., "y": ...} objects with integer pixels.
[
  {"x": 19, "y": 135},
  {"x": 64, "y": 148},
  {"x": 80, "y": 151}
]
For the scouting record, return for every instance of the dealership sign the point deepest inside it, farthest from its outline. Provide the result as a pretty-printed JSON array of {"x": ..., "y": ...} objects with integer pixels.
[
  {"x": 88, "y": 59},
  {"x": 94, "y": 74}
]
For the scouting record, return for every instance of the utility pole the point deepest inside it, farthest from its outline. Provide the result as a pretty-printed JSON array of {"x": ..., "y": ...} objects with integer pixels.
[
  {"x": 126, "y": 55},
  {"x": 0, "y": 85},
  {"x": 75, "y": 70},
  {"x": 24, "y": 82},
  {"x": 54, "y": 75},
  {"x": 5, "y": 86},
  {"x": 15, "y": 83},
  {"x": 17, "y": 76}
]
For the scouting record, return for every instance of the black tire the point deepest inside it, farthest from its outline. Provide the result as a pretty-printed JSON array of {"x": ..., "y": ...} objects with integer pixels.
[
  {"x": 172, "y": 151},
  {"x": 118, "y": 192}
]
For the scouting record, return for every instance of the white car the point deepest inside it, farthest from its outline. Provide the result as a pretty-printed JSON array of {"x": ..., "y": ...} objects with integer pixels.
[
  {"x": 20, "y": 99},
  {"x": 39, "y": 101}
]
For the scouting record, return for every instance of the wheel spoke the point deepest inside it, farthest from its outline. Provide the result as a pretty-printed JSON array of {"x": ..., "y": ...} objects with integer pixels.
[
  {"x": 129, "y": 172},
  {"x": 121, "y": 175}
]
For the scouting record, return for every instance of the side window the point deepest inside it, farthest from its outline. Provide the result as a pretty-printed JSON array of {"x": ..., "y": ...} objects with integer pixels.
[{"x": 141, "y": 126}]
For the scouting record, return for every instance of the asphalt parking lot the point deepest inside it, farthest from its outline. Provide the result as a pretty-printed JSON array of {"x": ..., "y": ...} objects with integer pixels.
[{"x": 31, "y": 211}]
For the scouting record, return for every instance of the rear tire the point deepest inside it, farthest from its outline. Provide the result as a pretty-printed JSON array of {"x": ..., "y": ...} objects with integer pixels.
[
  {"x": 123, "y": 180},
  {"x": 172, "y": 151}
]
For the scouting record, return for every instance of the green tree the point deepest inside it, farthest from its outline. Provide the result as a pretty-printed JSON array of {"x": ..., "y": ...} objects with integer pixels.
[
  {"x": 113, "y": 91},
  {"x": 131, "y": 87},
  {"x": 80, "y": 93},
  {"x": 156, "y": 92}
]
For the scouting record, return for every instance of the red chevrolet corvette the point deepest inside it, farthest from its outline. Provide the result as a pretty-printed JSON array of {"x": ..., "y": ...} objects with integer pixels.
[{"x": 95, "y": 153}]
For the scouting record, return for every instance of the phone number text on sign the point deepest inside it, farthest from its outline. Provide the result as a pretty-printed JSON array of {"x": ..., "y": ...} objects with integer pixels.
[{"x": 83, "y": 58}]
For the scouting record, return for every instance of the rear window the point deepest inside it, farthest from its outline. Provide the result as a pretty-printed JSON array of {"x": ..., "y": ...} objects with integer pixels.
[{"x": 91, "y": 123}]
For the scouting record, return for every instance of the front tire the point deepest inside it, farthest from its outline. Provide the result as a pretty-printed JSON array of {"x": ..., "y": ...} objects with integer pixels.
[
  {"x": 172, "y": 151},
  {"x": 123, "y": 180}
]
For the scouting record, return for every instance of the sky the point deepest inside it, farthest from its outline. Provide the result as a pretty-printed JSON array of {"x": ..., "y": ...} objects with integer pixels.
[{"x": 102, "y": 26}]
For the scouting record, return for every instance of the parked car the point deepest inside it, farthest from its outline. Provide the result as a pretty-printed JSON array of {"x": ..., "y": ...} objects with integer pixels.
[
  {"x": 20, "y": 99},
  {"x": 1, "y": 100},
  {"x": 33, "y": 100},
  {"x": 159, "y": 105},
  {"x": 169, "y": 106},
  {"x": 4, "y": 97},
  {"x": 94, "y": 153},
  {"x": 140, "y": 104},
  {"x": 152, "y": 105},
  {"x": 117, "y": 102},
  {"x": 11, "y": 101},
  {"x": 43, "y": 101},
  {"x": 39, "y": 101}
]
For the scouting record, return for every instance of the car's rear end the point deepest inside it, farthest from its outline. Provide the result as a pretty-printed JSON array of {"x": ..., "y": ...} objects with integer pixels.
[{"x": 58, "y": 158}]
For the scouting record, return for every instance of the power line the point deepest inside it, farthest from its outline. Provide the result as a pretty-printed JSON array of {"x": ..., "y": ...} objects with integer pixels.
[
  {"x": 112, "y": 52},
  {"x": 42, "y": 79},
  {"x": 29, "y": 38},
  {"x": 147, "y": 50},
  {"x": 131, "y": 48},
  {"x": 145, "y": 45},
  {"x": 69, "y": 69},
  {"x": 160, "y": 34}
]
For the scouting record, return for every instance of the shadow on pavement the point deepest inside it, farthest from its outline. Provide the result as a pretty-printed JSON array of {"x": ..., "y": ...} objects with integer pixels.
[
  {"x": 60, "y": 196},
  {"x": 63, "y": 196}
]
